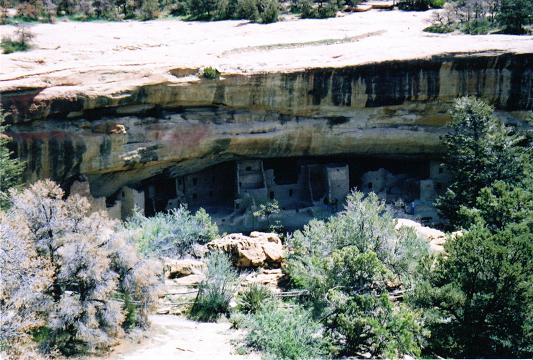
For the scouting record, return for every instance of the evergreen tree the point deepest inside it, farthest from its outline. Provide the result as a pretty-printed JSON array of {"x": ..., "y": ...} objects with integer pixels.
[
  {"x": 478, "y": 302},
  {"x": 515, "y": 14},
  {"x": 479, "y": 151},
  {"x": 10, "y": 169}
]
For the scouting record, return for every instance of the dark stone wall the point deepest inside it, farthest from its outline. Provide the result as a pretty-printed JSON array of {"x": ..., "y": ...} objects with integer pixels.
[{"x": 505, "y": 80}]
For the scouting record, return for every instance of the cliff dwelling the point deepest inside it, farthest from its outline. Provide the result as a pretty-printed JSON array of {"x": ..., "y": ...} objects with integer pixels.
[{"x": 303, "y": 187}]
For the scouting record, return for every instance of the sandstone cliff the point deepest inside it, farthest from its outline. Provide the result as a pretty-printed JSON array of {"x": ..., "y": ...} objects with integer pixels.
[{"x": 120, "y": 122}]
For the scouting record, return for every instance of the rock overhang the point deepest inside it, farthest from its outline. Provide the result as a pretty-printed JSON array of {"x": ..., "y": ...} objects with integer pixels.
[{"x": 120, "y": 110}]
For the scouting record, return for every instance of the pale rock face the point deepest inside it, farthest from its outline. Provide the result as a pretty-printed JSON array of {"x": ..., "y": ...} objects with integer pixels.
[
  {"x": 393, "y": 109},
  {"x": 434, "y": 237},
  {"x": 367, "y": 84},
  {"x": 257, "y": 250},
  {"x": 265, "y": 277},
  {"x": 178, "y": 268}
]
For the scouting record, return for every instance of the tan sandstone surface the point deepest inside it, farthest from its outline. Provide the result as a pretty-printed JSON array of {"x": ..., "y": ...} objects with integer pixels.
[
  {"x": 172, "y": 337},
  {"x": 102, "y": 57},
  {"x": 128, "y": 102}
]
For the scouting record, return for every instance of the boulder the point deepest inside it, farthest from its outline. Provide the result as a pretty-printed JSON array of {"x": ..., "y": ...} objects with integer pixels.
[
  {"x": 434, "y": 237},
  {"x": 265, "y": 277},
  {"x": 257, "y": 250},
  {"x": 177, "y": 268}
]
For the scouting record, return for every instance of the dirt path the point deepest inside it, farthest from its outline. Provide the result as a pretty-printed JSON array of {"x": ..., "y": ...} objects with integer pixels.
[{"x": 173, "y": 337}]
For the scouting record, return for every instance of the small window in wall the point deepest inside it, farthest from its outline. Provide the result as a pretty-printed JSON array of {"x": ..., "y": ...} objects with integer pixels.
[
  {"x": 248, "y": 168},
  {"x": 369, "y": 186},
  {"x": 290, "y": 192},
  {"x": 272, "y": 195},
  {"x": 195, "y": 181},
  {"x": 179, "y": 182},
  {"x": 194, "y": 196}
]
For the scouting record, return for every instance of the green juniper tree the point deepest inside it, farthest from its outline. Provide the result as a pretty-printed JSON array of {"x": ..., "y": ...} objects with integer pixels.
[
  {"x": 478, "y": 302},
  {"x": 513, "y": 15},
  {"x": 479, "y": 151},
  {"x": 10, "y": 169}
]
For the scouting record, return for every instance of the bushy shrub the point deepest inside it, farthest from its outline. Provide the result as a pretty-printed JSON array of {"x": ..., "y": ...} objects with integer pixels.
[
  {"x": 437, "y": 4},
  {"x": 438, "y": 29},
  {"x": 64, "y": 271},
  {"x": 367, "y": 226},
  {"x": 217, "y": 290},
  {"x": 21, "y": 41},
  {"x": 268, "y": 11},
  {"x": 324, "y": 9},
  {"x": 286, "y": 332},
  {"x": 440, "y": 23},
  {"x": 477, "y": 27},
  {"x": 247, "y": 9},
  {"x": 149, "y": 9},
  {"x": 34, "y": 10},
  {"x": 305, "y": 8},
  {"x": 415, "y": 5},
  {"x": 349, "y": 261},
  {"x": 484, "y": 16},
  {"x": 251, "y": 299},
  {"x": 201, "y": 9},
  {"x": 375, "y": 325},
  {"x": 210, "y": 73},
  {"x": 171, "y": 234}
]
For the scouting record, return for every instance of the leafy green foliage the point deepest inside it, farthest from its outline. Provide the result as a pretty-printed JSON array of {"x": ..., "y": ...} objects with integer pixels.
[
  {"x": 365, "y": 225},
  {"x": 485, "y": 16},
  {"x": 478, "y": 301},
  {"x": 268, "y": 11},
  {"x": 149, "y": 9},
  {"x": 417, "y": 5},
  {"x": 254, "y": 10},
  {"x": 210, "y": 73},
  {"x": 501, "y": 204},
  {"x": 514, "y": 15},
  {"x": 21, "y": 41},
  {"x": 216, "y": 291},
  {"x": 349, "y": 261},
  {"x": 438, "y": 29},
  {"x": 268, "y": 211},
  {"x": 251, "y": 299},
  {"x": 263, "y": 11},
  {"x": 323, "y": 9},
  {"x": 10, "y": 169},
  {"x": 477, "y": 27},
  {"x": 171, "y": 234},
  {"x": 10, "y": 46},
  {"x": 479, "y": 151},
  {"x": 286, "y": 332},
  {"x": 437, "y": 4},
  {"x": 375, "y": 325}
]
